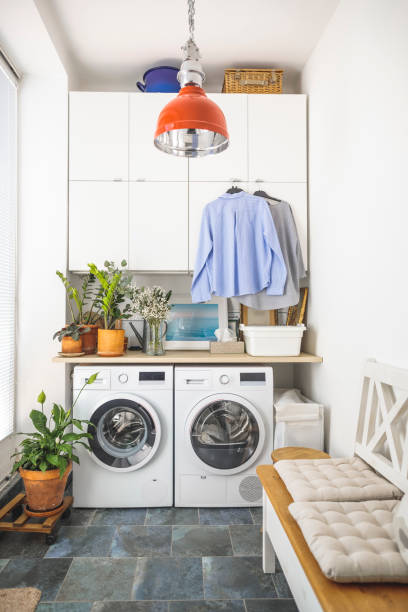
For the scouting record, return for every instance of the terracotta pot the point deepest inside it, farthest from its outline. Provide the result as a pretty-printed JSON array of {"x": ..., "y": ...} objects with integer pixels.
[
  {"x": 44, "y": 490},
  {"x": 90, "y": 339},
  {"x": 69, "y": 345},
  {"x": 110, "y": 342}
]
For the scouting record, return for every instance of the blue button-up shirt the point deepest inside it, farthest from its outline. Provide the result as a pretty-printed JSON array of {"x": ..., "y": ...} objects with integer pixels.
[{"x": 238, "y": 251}]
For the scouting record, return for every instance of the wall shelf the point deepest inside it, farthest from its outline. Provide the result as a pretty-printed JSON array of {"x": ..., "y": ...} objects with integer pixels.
[{"x": 187, "y": 357}]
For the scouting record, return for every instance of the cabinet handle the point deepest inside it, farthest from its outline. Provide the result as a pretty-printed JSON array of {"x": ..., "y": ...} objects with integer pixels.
[
  {"x": 259, "y": 181},
  {"x": 235, "y": 180},
  {"x": 117, "y": 180},
  {"x": 141, "y": 180}
]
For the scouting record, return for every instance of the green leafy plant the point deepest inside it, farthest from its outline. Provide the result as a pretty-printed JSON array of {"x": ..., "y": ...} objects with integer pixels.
[
  {"x": 52, "y": 446},
  {"x": 115, "y": 289},
  {"x": 73, "y": 330},
  {"x": 87, "y": 297}
]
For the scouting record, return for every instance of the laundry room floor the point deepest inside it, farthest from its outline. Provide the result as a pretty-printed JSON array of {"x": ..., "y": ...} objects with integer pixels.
[{"x": 148, "y": 560}]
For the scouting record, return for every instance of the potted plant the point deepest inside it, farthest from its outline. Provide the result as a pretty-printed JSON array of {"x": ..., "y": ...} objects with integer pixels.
[
  {"x": 115, "y": 289},
  {"x": 47, "y": 455},
  {"x": 153, "y": 305},
  {"x": 78, "y": 300},
  {"x": 71, "y": 338}
]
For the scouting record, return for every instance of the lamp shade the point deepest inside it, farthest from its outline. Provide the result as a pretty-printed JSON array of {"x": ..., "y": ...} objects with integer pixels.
[{"x": 191, "y": 125}]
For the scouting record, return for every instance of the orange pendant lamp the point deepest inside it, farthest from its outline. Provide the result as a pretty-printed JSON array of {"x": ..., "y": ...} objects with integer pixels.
[{"x": 191, "y": 125}]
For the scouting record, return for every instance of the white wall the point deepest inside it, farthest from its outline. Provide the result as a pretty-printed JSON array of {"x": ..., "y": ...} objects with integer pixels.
[
  {"x": 42, "y": 202},
  {"x": 357, "y": 83},
  {"x": 42, "y": 239}
]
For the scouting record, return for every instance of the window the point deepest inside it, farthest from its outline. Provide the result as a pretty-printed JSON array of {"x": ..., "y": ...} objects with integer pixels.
[{"x": 8, "y": 207}]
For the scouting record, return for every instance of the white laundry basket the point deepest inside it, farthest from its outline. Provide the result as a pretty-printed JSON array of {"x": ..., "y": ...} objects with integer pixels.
[
  {"x": 273, "y": 340},
  {"x": 298, "y": 420}
]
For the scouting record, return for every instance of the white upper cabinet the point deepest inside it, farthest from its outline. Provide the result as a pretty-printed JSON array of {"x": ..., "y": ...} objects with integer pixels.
[
  {"x": 199, "y": 195},
  {"x": 98, "y": 136},
  {"x": 277, "y": 138},
  {"x": 98, "y": 227},
  {"x": 146, "y": 162},
  {"x": 158, "y": 226},
  {"x": 231, "y": 164}
]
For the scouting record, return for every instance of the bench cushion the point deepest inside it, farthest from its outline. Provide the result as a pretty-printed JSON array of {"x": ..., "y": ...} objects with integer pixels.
[
  {"x": 348, "y": 479},
  {"x": 352, "y": 541},
  {"x": 401, "y": 527}
]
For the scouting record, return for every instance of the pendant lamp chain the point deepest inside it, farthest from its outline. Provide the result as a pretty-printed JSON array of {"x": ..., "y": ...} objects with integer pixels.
[{"x": 191, "y": 16}]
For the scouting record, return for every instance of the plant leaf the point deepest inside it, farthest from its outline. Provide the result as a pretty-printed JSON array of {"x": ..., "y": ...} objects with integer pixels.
[
  {"x": 62, "y": 462},
  {"x": 43, "y": 466},
  {"x": 39, "y": 420},
  {"x": 53, "y": 459},
  {"x": 92, "y": 378}
]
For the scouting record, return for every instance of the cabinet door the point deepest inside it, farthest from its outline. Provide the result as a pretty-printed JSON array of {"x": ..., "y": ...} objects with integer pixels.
[
  {"x": 231, "y": 164},
  {"x": 199, "y": 195},
  {"x": 98, "y": 214},
  {"x": 158, "y": 226},
  {"x": 277, "y": 138},
  {"x": 145, "y": 161},
  {"x": 98, "y": 136},
  {"x": 296, "y": 195}
]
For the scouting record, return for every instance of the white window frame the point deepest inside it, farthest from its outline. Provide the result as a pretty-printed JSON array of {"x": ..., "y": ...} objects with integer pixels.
[{"x": 7, "y": 444}]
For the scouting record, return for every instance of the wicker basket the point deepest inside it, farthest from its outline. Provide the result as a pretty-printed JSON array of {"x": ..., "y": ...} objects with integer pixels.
[{"x": 252, "y": 80}]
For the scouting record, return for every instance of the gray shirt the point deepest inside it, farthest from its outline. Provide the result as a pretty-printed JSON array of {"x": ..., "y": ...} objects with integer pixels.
[{"x": 292, "y": 254}]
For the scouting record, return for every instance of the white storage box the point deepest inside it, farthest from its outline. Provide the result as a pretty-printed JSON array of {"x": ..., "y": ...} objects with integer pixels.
[
  {"x": 273, "y": 340},
  {"x": 298, "y": 420}
]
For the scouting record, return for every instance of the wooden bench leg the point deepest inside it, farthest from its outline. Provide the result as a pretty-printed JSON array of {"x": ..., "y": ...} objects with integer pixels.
[{"x": 268, "y": 553}]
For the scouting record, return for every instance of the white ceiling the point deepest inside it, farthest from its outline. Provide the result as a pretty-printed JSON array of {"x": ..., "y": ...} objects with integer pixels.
[{"x": 108, "y": 44}]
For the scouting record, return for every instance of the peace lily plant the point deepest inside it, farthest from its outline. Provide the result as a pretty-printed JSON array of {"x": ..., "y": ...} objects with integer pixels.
[{"x": 46, "y": 457}]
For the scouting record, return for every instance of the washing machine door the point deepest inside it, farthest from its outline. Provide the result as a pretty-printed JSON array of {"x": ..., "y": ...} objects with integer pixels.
[
  {"x": 126, "y": 433},
  {"x": 226, "y": 433}
]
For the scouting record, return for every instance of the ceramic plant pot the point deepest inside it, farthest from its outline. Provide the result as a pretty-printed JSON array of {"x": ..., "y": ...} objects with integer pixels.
[
  {"x": 111, "y": 342},
  {"x": 90, "y": 340},
  {"x": 69, "y": 345},
  {"x": 44, "y": 490}
]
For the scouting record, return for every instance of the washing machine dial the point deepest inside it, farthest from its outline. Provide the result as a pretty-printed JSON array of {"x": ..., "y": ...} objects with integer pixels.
[
  {"x": 123, "y": 378},
  {"x": 224, "y": 379}
]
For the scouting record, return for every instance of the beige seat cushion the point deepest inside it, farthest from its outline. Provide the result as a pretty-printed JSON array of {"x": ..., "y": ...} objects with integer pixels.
[
  {"x": 352, "y": 541},
  {"x": 348, "y": 479}
]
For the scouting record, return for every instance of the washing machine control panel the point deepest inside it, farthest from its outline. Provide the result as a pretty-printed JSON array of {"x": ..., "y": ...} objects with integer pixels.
[
  {"x": 224, "y": 379},
  {"x": 123, "y": 378}
]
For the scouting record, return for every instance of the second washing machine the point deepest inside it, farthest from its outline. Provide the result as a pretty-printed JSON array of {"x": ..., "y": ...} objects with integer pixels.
[
  {"x": 130, "y": 409},
  {"x": 223, "y": 430}
]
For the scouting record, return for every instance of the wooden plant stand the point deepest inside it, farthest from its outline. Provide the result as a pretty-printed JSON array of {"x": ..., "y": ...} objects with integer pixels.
[{"x": 22, "y": 522}]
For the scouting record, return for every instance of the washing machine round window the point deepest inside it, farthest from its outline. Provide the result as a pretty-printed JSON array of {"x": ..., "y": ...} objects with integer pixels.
[
  {"x": 125, "y": 433},
  {"x": 226, "y": 433}
]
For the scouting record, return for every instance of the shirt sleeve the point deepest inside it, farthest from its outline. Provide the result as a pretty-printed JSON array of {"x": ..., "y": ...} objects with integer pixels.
[
  {"x": 299, "y": 257},
  {"x": 201, "y": 286},
  {"x": 277, "y": 272}
]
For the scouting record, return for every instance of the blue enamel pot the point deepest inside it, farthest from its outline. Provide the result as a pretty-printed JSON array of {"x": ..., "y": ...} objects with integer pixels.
[{"x": 160, "y": 79}]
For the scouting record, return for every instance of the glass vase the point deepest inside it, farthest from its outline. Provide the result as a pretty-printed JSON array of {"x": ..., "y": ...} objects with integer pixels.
[{"x": 155, "y": 330}]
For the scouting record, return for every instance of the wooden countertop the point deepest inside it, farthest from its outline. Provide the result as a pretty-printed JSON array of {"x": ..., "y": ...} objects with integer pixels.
[{"x": 189, "y": 357}]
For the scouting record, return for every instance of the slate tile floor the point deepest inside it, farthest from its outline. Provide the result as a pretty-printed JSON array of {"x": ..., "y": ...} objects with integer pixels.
[{"x": 148, "y": 560}]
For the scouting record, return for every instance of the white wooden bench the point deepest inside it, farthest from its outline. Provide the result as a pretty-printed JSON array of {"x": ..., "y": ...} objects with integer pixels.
[{"x": 382, "y": 442}]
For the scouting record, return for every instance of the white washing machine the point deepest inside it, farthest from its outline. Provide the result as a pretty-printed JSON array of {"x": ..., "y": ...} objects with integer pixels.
[
  {"x": 223, "y": 430},
  {"x": 131, "y": 408}
]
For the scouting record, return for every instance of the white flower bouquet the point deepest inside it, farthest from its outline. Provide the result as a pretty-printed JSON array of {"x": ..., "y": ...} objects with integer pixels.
[{"x": 153, "y": 305}]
